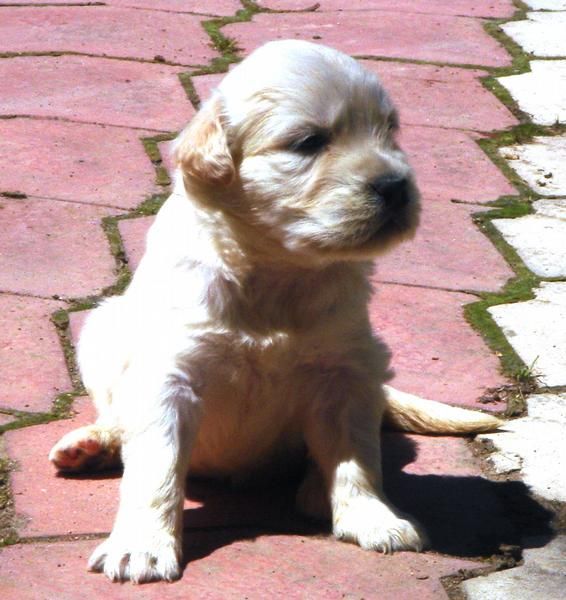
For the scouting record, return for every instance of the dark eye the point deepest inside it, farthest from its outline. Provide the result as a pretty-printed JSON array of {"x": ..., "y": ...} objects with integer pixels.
[
  {"x": 393, "y": 122},
  {"x": 311, "y": 144}
]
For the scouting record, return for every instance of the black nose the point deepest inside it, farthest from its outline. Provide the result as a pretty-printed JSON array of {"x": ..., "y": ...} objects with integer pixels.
[{"x": 392, "y": 190}]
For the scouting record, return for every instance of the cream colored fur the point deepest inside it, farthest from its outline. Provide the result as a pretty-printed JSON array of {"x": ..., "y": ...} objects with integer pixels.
[{"x": 244, "y": 335}]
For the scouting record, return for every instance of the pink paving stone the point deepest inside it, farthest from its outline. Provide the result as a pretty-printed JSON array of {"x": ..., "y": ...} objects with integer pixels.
[
  {"x": 473, "y": 8},
  {"x": 33, "y": 366},
  {"x": 53, "y": 248},
  {"x": 48, "y": 504},
  {"x": 233, "y": 567},
  {"x": 436, "y": 354},
  {"x": 106, "y": 31},
  {"x": 425, "y": 94},
  {"x": 51, "y": 505},
  {"x": 447, "y": 252},
  {"x": 204, "y": 84},
  {"x": 95, "y": 90},
  {"x": 450, "y": 165},
  {"x": 441, "y": 96},
  {"x": 94, "y": 164},
  {"x": 439, "y": 38},
  {"x": 133, "y": 232},
  {"x": 222, "y": 8}
]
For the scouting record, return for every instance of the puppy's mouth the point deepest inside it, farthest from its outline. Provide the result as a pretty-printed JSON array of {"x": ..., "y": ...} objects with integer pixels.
[{"x": 395, "y": 201}]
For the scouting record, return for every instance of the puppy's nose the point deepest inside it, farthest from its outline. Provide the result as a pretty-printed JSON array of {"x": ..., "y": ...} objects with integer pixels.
[{"x": 391, "y": 189}]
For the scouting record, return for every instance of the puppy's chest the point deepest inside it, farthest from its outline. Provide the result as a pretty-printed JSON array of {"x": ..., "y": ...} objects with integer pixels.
[{"x": 237, "y": 364}]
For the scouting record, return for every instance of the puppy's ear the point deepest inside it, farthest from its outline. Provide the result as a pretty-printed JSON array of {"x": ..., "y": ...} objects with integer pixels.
[{"x": 201, "y": 150}]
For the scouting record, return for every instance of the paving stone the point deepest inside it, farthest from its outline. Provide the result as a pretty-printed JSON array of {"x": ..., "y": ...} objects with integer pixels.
[
  {"x": 542, "y": 92},
  {"x": 133, "y": 232},
  {"x": 53, "y": 248},
  {"x": 534, "y": 446},
  {"x": 441, "y": 96},
  {"x": 436, "y": 354},
  {"x": 235, "y": 565},
  {"x": 541, "y": 34},
  {"x": 546, "y": 4},
  {"x": 100, "y": 30},
  {"x": 448, "y": 164},
  {"x": 531, "y": 328},
  {"x": 378, "y": 33},
  {"x": 95, "y": 90},
  {"x": 33, "y": 365},
  {"x": 480, "y": 8},
  {"x": 540, "y": 163},
  {"x": 222, "y": 8},
  {"x": 452, "y": 256},
  {"x": 93, "y": 164},
  {"x": 541, "y": 576},
  {"x": 539, "y": 238},
  {"x": 444, "y": 97}
]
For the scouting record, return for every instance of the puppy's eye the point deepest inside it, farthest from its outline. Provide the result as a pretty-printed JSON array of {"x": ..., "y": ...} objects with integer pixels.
[
  {"x": 311, "y": 144},
  {"x": 393, "y": 122}
]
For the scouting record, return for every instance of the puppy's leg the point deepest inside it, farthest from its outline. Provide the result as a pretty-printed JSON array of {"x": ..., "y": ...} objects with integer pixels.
[
  {"x": 162, "y": 418},
  {"x": 343, "y": 437}
]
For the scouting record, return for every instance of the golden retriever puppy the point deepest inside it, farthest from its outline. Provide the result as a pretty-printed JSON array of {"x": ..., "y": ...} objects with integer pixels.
[{"x": 244, "y": 336}]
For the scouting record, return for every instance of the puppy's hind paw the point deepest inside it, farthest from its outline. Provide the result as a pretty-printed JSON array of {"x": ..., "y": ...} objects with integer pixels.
[
  {"x": 121, "y": 563},
  {"x": 85, "y": 448}
]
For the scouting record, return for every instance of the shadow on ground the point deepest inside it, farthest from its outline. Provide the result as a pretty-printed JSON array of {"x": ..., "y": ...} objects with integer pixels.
[{"x": 463, "y": 516}]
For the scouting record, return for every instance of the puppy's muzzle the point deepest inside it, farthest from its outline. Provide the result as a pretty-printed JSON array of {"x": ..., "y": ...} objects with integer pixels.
[{"x": 391, "y": 191}]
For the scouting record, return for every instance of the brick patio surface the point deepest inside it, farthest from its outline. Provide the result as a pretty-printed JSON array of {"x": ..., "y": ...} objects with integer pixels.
[{"x": 84, "y": 87}]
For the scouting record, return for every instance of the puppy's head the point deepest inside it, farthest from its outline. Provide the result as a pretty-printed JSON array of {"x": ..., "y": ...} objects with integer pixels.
[{"x": 298, "y": 142}]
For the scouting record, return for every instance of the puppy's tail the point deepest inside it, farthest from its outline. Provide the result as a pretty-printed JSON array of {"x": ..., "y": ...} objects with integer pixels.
[{"x": 406, "y": 412}]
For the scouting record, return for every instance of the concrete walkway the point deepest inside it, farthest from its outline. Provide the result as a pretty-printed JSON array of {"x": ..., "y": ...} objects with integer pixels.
[{"x": 90, "y": 96}]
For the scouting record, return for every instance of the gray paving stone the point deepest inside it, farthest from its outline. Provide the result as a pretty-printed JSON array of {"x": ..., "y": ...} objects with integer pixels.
[
  {"x": 534, "y": 446},
  {"x": 540, "y": 238},
  {"x": 542, "y": 577},
  {"x": 540, "y": 163},
  {"x": 536, "y": 331},
  {"x": 546, "y": 4},
  {"x": 542, "y": 92},
  {"x": 542, "y": 33}
]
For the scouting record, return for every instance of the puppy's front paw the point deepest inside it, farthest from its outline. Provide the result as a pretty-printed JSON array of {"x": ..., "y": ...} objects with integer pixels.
[
  {"x": 122, "y": 559},
  {"x": 370, "y": 524}
]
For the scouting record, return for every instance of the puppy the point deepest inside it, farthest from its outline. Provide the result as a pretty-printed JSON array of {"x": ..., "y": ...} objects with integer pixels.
[{"x": 244, "y": 336}]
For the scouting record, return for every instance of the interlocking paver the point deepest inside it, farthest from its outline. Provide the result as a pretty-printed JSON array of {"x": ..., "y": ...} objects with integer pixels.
[
  {"x": 222, "y": 8},
  {"x": 431, "y": 95},
  {"x": 441, "y": 38},
  {"x": 535, "y": 330},
  {"x": 450, "y": 165},
  {"x": 133, "y": 232},
  {"x": 32, "y": 363},
  {"x": 95, "y": 90},
  {"x": 541, "y": 34},
  {"x": 473, "y": 8},
  {"x": 441, "y": 96},
  {"x": 234, "y": 565},
  {"x": 540, "y": 163},
  {"x": 454, "y": 256},
  {"x": 92, "y": 164},
  {"x": 539, "y": 238},
  {"x": 541, "y": 92},
  {"x": 100, "y": 30},
  {"x": 436, "y": 353},
  {"x": 53, "y": 248}
]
